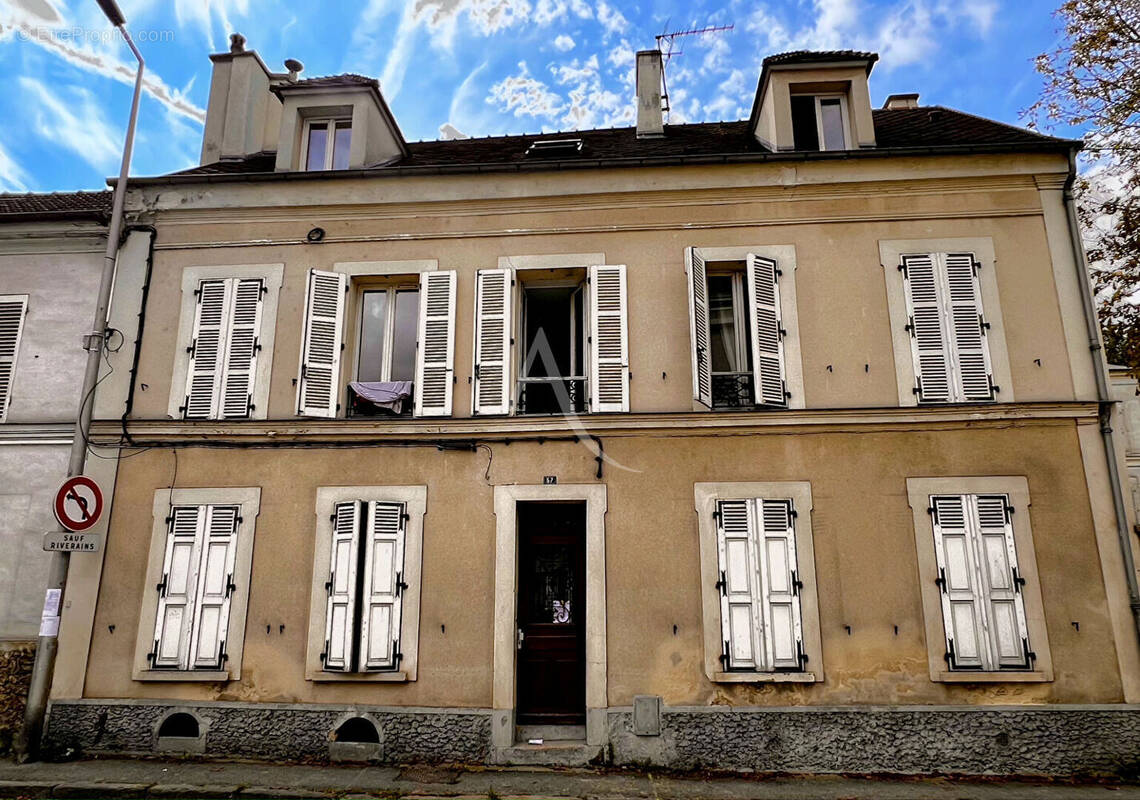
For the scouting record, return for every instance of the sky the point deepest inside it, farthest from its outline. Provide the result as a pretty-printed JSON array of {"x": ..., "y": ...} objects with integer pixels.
[{"x": 473, "y": 67}]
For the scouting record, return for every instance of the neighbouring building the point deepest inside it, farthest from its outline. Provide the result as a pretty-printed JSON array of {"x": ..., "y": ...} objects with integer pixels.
[
  {"x": 51, "y": 256},
  {"x": 766, "y": 444},
  {"x": 1126, "y": 426}
]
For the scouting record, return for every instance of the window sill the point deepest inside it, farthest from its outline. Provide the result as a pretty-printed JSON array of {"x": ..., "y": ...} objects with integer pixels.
[
  {"x": 359, "y": 677},
  {"x": 183, "y": 676},
  {"x": 764, "y": 677},
  {"x": 994, "y": 677}
]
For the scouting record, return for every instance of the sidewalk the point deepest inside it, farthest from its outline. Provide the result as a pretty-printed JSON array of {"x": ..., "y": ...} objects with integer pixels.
[{"x": 124, "y": 778}]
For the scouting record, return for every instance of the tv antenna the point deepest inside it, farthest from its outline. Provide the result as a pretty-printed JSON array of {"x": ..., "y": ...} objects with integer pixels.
[{"x": 667, "y": 52}]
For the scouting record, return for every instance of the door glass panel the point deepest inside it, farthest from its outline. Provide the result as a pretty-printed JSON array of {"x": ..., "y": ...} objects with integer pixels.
[
  {"x": 404, "y": 335},
  {"x": 552, "y": 590},
  {"x": 318, "y": 143},
  {"x": 373, "y": 322},
  {"x": 831, "y": 120},
  {"x": 341, "y": 142},
  {"x": 722, "y": 325}
]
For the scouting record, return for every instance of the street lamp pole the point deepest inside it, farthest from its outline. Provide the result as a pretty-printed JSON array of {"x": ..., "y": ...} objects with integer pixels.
[{"x": 27, "y": 743}]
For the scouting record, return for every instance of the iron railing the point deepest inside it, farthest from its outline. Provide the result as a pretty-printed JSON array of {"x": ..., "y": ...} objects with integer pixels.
[{"x": 557, "y": 395}]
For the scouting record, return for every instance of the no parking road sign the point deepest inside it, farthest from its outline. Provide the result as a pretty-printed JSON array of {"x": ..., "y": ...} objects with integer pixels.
[{"x": 78, "y": 503}]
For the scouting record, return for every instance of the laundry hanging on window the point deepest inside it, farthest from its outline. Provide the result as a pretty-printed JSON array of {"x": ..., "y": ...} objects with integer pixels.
[{"x": 386, "y": 395}]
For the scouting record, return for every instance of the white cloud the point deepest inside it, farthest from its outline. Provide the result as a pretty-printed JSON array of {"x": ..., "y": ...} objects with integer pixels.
[
  {"x": 13, "y": 177},
  {"x": 591, "y": 104},
  {"x": 548, "y": 11},
  {"x": 75, "y": 123},
  {"x": 203, "y": 13},
  {"x": 563, "y": 43},
  {"x": 622, "y": 55},
  {"x": 612, "y": 19},
  {"x": 396, "y": 66},
  {"x": 449, "y": 132},
  {"x": 525, "y": 96}
]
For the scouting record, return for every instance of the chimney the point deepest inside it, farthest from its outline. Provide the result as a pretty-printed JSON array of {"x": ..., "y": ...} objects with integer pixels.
[
  {"x": 649, "y": 74},
  {"x": 901, "y": 101},
  {"x": 242, "y": 114}
]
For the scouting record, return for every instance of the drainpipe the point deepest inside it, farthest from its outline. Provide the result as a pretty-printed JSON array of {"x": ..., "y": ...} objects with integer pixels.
[{"x": 1104, "y": 398}]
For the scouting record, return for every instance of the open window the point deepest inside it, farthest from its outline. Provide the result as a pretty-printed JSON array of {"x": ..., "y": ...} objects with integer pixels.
[
  {"x": 398, "y": 333},
  {"x": 572, "y": 351},
  {"x": 326, "y": 143},
  {"x": 820, "y": 122}
]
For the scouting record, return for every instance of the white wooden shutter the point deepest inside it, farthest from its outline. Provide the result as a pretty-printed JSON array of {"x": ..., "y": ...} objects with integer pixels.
[
  {"x": 13, "y": 309},
  {"x": 383, "y": 586},
  {"x": 609, "y": 339},
  {"x": 342, "y": 584},
  {"x": 174, "y": 617},
  {"x": 739, "y": 593},
  {"x": 928, "y": 335},
  {"x": 215, "y": 585},
  {"x": 493, "y": 299},
  {"x": 973, "y": 376},
  {"x": 435, "y": 356},
  {"x": 958, "y": 577},
  {"x": 207, "y": 349},
  {"x": 241, "y": 348},
  {"x": 1001, "y": 582},
  {"x": 699, "y": 326},
  {"x": 319, "y": 386},
  {"x": 780, "y": 585},
  {"x": 767, "y": 332}
]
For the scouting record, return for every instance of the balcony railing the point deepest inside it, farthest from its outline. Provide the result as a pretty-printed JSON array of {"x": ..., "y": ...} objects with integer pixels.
[
  {"x": 732, "y": 390},
  {"x": 558, "y": 395}
]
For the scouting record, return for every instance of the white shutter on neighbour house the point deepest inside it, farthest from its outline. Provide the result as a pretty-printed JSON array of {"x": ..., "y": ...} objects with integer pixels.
[
  {"x": 982, "y": 608},
  {"x": 767, "y": 332},
  {"x": 967, "y": 327},
  {"x": 435, "y": 356},
  {"x": 241, "y": 347},
  {"x": 215, "y": 585},
  {"x": 319, "y": 386},
  {"x": 493, "y": 300},
  {"x": 739, "y": 592},
  {"x": 383, "y": 586},
  {"x": 13, "y": 309},
  {"x": 928, "y": 336},
  {"x": 609, "y": 339},
  {"x": 207, "y": 350},
  {"x": 779, "y": 578},
  {"x": 699, "y": 335},
  {"x": 174, "y": 617},
  {"x": 342, "y": 584}
]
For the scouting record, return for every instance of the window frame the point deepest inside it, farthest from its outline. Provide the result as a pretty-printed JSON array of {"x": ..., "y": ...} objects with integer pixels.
[
  {"x": 362, "y": 286},
  {"x": 842, "y": 98},
  {"x": 518, "y": 358},
  {"x": 740, "y": 320},
  {"x": 414, "y": 499},
  {"x": 1016, "y": 489},
  {"x": 248, "y": 501},
  {"x": 332, "y": 122},
  {"x": 706, "y": 497}
]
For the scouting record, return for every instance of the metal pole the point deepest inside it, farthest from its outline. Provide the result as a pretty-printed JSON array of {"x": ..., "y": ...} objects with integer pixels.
[{"x": 27, "y": 743}]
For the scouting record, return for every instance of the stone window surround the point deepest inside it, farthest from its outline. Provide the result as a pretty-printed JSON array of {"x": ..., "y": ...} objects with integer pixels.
[
  {"x": 415, "y": 498},
  {"x": 248, "y": 500},
  {"x": 785, "y": 258},
  {"x": 1016, "y": 487},
  {"x": 504, "y": 675},
  {"x": 891, "y": 252},
  {"x": 705, "y": 496},
  {"x": 272, "y": 275}
]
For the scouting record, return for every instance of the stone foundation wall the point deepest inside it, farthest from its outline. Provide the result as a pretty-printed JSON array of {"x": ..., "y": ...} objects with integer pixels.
[
  {"x": 1062, "y": 740},
  {"x": 16, "y": 660}
]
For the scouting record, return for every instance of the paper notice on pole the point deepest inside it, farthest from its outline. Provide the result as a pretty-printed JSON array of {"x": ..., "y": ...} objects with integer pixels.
[
  {"x": 49, "y": 626},
  {"x": 51, "y": 603}
]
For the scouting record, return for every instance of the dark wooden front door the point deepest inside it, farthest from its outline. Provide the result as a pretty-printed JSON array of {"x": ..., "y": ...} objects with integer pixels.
[{"x": 552, "y": 614}]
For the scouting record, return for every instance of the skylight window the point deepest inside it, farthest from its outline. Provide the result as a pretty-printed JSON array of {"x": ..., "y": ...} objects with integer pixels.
[{"x": 555, "y": 147}]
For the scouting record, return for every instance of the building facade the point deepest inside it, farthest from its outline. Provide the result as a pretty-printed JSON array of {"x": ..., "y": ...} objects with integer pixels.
[
  {"x": 51, "y": 249},
  {"x": 770, "y": 444}
]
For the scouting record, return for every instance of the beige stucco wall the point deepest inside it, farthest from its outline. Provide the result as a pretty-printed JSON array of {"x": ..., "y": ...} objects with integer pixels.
[{"x": 864, "y": 554}]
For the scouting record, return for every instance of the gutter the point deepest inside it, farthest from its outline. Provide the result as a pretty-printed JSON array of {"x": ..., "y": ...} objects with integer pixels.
[
  {"x": 1104, "y": 398},
  {"x": 130, "y": 404}
]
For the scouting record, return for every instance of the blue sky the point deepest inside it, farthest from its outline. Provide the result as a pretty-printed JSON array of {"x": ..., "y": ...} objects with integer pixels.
[{"x": 482, "y": 67}]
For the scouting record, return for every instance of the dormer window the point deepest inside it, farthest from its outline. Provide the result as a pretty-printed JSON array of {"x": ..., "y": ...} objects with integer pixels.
[
  {"x": 327, "y": 143},
  {"x": 819, "y": 122}
]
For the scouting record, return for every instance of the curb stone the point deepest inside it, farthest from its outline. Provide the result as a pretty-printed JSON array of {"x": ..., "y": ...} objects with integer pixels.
[
  {"x": 270, "y": 793},
  {"x": 30, "y": 789},
  {"x": 188, "y": 791},
  {"x": 100, "y": 790}
]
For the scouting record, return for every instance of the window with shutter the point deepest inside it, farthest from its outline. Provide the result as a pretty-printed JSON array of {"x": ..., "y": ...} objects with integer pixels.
[
  {"x": 13, "y": 309},
  {"x": 435, "y": 362},
  {"x": 947, "y": 328},
  {"x": 699, "y": 326},
  {"x": 493, "y": 302},
  {"x": 223, "y": 349},
  {"x": 321, "y": 344},
  {"x": 609, "y": 339},
  {"x": 759, "y": 586},
  {"x": 192, "y": 619},
  {"x": 982, "y": 608},
  {"x": 340, "y": 642},
  {"x": 769, "y": 385}
]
